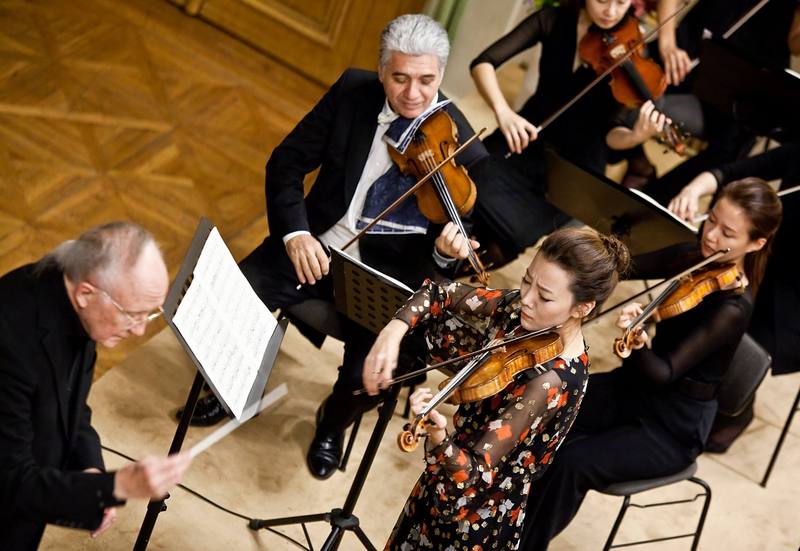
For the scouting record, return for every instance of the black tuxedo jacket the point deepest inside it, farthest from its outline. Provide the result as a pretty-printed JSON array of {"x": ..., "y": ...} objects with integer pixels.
[
  {"x": 336, "y": 136},
  {"x": 46, "y": 439}
]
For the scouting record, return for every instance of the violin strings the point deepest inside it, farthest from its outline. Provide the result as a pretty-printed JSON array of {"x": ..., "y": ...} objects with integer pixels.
[{"x": 449, "y": 205}]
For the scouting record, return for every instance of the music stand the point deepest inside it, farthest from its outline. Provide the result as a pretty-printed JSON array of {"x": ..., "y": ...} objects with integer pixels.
[
  {"x": 762, "y": 99},
  {"x": 177, "y": 291},
  {"x": 370, "y": 298},
  {"x": 630, "y": 215}
]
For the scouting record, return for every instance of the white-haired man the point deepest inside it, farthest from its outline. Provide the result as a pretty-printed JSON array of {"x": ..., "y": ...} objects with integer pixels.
[
  {"x": 345, "y": 137},
  {"x": 101, "y": 288}
]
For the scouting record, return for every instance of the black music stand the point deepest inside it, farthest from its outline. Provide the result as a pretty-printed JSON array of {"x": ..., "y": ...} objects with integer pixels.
[
  {"x": 176, "y": 293},
  {"x": 369, "y": 298},
  {"x": 630, "y": 215},
  {"x": 764, "y": 100}
]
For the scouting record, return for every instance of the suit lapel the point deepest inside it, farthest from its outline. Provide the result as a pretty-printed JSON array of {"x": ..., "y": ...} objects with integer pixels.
[{"x": 364, "y": 123}]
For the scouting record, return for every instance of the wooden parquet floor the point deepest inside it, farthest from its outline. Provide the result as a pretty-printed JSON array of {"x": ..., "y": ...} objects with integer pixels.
[{"x": 133, "y": 110}]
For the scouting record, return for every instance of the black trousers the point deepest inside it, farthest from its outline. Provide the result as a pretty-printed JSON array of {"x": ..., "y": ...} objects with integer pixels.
[
  {"x": 607, "y": 444},
  {"x": 273, "y": 278}
]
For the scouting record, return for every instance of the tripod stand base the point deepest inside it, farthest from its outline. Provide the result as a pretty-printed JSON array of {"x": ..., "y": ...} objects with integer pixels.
[
  {"x": 342, "y": 519},
  {"x": 337, "y": 518}
]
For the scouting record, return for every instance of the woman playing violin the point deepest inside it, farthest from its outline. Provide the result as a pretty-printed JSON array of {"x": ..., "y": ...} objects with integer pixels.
[
  {"x": 478, "y": 470},
  {"x": 511, "y": 213},
  {"x": 651, "y": 416}
]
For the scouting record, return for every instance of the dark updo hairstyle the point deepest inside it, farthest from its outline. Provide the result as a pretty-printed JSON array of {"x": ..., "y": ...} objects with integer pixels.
[
  {"x": 595, "y": 261},
  {"x": 764, "y": 211}
]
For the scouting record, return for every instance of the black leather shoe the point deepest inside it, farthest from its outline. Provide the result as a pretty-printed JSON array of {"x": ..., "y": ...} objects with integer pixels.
[
  {"x": 325, "y": 454},
  {"x": 207, "y": 412}
]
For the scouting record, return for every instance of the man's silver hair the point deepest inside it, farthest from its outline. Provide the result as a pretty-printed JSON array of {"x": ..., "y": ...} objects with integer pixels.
[
  {"x": 414, "y": 34},
  {"x": 103, "y": 253}
]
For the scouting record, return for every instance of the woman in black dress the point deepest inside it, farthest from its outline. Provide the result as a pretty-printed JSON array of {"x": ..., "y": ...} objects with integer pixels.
[
  {"x": 651, "y": 416},
  {"x": 473, "y": 491},
  {"x": 511, "y": 212},
  {"x": 776, "y": 315}
]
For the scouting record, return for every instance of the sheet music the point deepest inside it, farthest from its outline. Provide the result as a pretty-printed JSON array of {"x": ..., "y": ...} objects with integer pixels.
[
  {"x": 224, "y": 323},
  {"x": 662, "y": 209}
]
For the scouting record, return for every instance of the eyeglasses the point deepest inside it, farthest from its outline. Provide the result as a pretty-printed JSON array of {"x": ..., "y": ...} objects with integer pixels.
[{"x": 134, "y": 318}]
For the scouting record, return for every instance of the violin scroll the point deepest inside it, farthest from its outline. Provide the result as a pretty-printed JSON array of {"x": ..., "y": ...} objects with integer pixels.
[{"x": 408, "y": 439}]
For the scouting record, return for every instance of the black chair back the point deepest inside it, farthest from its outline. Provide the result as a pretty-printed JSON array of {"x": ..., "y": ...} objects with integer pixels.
[{"x": 748, "y": 368}]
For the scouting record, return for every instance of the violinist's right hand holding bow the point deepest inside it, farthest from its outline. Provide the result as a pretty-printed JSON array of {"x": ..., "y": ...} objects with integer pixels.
[
  {"x": 626, "y": 316},
  {"x": 518, "y": 131},
  {"x": 381, "y": 361},
  {"x": 437, "y": 423}
]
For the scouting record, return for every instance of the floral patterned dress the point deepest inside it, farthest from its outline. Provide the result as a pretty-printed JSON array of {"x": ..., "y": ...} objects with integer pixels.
[{"x": 473, "y": 491}]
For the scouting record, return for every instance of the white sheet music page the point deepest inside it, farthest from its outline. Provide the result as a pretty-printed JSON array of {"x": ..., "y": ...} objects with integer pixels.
[{"x": 224, "y": 323}]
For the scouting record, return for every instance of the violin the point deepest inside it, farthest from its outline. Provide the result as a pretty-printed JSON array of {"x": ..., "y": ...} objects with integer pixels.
[
  {"x": 450, "y": 191},
  {"x": 634, "y": 80},
  {"x": 680, "y": 296},
  {"x": 491, "y": 372}
]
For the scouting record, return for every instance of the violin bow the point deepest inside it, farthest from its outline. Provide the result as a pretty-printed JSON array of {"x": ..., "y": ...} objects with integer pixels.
[
  {"x": 668, "y": 281},
  {"x": 409, "y": 192},
  {"x": 781, "y": 193},
  {"x": 735, "y": 27},
  {"x": 549, "y": 120},
  {"x": 467, "y": 356},
  {"x": 413, "y": 188}
]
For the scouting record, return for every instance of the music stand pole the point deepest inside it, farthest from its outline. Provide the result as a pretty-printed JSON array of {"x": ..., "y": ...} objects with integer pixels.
[
  {"x": 156, "y": 506},
  {"x": 342, "y": 520}
]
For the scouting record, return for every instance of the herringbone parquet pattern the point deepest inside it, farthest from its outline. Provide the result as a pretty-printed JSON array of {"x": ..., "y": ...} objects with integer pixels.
[{"x": 133, "y": 110}]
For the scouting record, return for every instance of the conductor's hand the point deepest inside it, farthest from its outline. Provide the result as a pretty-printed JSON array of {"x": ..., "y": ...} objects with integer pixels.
[
  {"x": 109, "y": 518},
  {"x": 518, "y": 131},
  {"x": 451, "y": 243},
  {"x": 437, "y": 430},
  {"x": 626, "y": 316},
  {"x": 109, "y": 513},
  {"x": 309, "y": 258},
  {"x": 676, "y": 63},
  {"x": 381, "y": 361},
  {"x": 152, "y": 477}
]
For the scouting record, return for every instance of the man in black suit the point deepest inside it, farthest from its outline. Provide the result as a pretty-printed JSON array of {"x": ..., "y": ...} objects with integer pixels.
[
  {"x": 102, "y": 287},
  {"x": 345, "y": 137}
]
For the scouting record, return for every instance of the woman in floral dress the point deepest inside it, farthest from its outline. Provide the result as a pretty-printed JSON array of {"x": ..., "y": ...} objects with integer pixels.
[{"x": 473, "y": 491}]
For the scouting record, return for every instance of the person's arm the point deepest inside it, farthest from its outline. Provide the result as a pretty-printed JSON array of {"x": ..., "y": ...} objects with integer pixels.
[
  {"x": 726, "y": 326},
  {"x": 649, "y": 123},
  {"x": 463, "y": 472},
  {"x": 686, "y": 204},
  {"x": 676, "y": 61},
  {"x": 518, "y": 131},
  {"x": 300, "y": 153},
  {"x": 432, "y": 301},
  {"x": 70, "y": 498}
]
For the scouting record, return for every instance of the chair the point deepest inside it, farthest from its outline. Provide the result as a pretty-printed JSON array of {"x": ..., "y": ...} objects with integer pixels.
[
  {"x": 627, "y": 489},
  {"x": 748, "y": 367}
]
